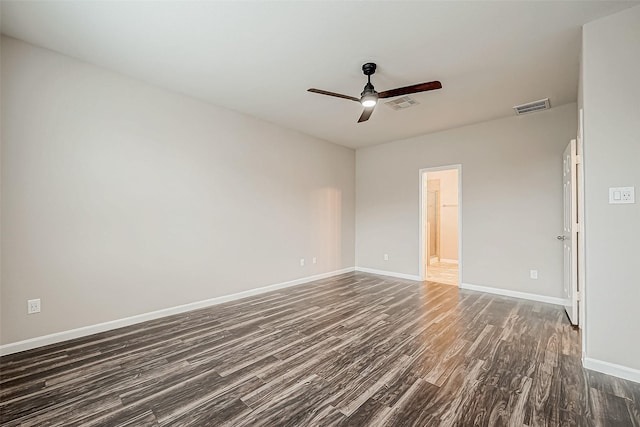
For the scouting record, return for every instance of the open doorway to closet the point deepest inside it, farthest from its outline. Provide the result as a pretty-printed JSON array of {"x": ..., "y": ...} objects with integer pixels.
[{"x": 440, "y": 217}]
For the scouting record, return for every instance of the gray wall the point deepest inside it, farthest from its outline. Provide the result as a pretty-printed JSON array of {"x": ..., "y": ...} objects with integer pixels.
[
  {"x": 611, "y": 98},
  {"x": 120, "y": 198},
  {"x": 511, "y": 196}
]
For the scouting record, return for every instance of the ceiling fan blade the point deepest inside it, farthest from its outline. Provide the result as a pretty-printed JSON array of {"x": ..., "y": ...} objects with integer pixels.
[
  {"x": 420, "y": 87},
  {"x": 337, "y": 95},
  {"x": 366, "y": 114}
]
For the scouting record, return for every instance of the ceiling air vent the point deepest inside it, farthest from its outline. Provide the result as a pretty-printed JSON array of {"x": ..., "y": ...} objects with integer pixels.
[
  {"x": 531, "y": 107},
  {"x": 402, "y": 103}
]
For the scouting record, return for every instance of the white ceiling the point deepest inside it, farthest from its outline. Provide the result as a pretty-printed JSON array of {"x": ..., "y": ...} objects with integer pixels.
[{"x": 259, "y": 58}]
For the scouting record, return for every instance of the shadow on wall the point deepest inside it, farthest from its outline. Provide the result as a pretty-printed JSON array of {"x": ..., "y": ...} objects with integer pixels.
[{"x": 327, "y": 226}]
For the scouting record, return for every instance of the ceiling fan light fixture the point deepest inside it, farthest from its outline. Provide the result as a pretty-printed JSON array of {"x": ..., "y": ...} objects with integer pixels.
[
  {"x": 369, "y": 96},
  {"x": 369, "y": 100}
]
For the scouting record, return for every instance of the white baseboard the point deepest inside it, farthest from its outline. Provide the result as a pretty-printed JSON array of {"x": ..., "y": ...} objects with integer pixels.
[
  {"x": 612, "y": 369},
  {"x": 139, "y": 318},
  {"x": 389, "y": 273},
  {"x": 449, "y": 261},
  {"x": 514, "y": 294}
]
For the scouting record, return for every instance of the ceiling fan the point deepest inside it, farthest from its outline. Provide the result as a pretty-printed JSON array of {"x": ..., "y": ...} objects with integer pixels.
[{"x": 369, "y": 97}]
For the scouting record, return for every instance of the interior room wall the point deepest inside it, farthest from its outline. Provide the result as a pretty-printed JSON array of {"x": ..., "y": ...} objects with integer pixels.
[
  {"x": 448, "y": 212},
  {"x": 511, "y": 199},
  {"x": 611, "y": 101},
  {"x": 121, "y": 198}
]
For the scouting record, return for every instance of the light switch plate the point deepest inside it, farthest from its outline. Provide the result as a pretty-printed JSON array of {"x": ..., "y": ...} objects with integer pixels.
[{"x": 622, "y": 195}]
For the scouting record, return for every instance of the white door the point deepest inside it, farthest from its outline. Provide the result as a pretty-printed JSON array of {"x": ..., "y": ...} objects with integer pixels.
[{"x": 569, "y": 235}]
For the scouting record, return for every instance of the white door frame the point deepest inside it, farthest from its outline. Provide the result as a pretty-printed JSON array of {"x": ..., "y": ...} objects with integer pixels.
[
  {"x": 581, "y": 241},
  {"x": 570, "y": 230},
  {"x": 582, "y": 265},
  {"x": 423, "y": 225}
]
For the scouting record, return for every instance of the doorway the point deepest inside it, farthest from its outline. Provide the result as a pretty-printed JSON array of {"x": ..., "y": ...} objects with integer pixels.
[{"x": 440, "y": 215}]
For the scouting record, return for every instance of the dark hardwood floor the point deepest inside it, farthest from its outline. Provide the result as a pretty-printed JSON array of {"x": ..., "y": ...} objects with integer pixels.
[{"x": 352, "y": 350}]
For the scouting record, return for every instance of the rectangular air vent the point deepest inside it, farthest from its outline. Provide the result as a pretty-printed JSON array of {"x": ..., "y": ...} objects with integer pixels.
[
  {"x": 402, "y": 103},
  {"x": 531, "y": 107}
]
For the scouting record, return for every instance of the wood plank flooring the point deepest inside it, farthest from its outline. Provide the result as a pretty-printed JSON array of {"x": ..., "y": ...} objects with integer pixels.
[
  {"x": 352, "y": 350},
  {"x": 443, "y": 272}
]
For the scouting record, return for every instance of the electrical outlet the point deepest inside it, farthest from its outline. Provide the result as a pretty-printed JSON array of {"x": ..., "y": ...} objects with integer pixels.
[
  {"x": 533, "y": 274},
  {"x": 628, "y": 195},
  {"x": 301, "y": 262},
  {"x": 386, "y": 257},
  {"x": 33, "y": 306},
  {"x": 314, "y": 260}
]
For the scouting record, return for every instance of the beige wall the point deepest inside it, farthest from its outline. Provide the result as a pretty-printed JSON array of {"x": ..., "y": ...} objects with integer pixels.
[
  {"x": 120, "y": 198},
  {"x": 448, "y": 212},
  {"x": 511, "y": 199},
  {"x": 611, "y": 98}
]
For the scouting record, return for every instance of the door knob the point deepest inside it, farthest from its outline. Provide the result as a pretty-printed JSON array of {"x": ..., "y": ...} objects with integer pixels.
[{"x": 561, "y": 237}]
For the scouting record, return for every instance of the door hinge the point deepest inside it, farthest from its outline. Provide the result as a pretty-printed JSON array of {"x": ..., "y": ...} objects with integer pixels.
[
  {"x": 578, "y": 159},
  {"x": 578, "y": 296}
]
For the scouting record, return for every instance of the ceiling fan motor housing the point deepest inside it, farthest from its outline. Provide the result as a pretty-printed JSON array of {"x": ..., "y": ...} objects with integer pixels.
[{"x": 368, "y": 90}]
